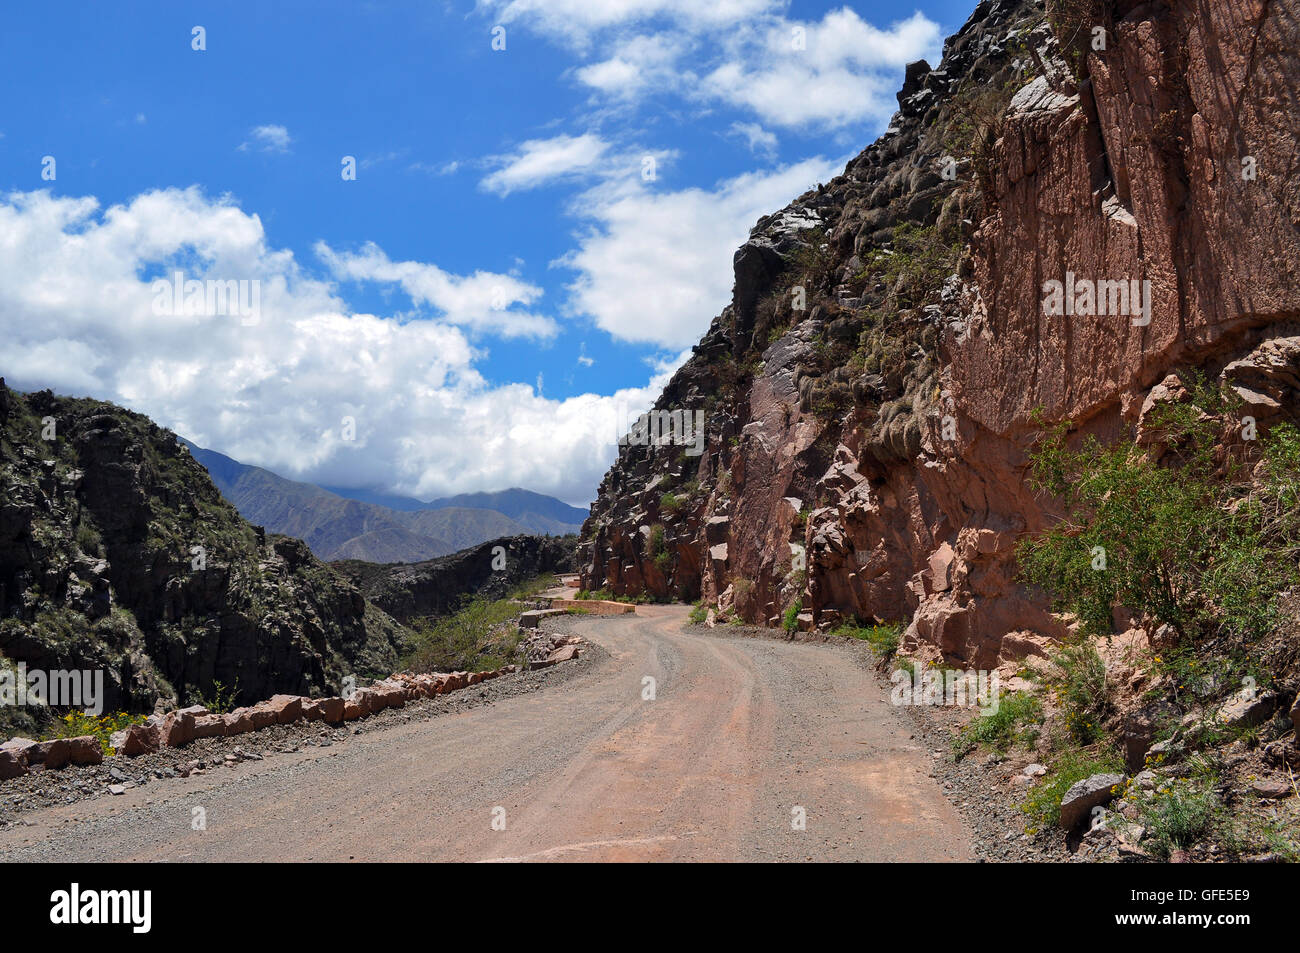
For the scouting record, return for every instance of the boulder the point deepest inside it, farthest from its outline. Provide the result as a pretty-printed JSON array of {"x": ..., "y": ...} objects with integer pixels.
[
  {"x": 1083, "y": 796},
  {"x": 54, "y": 753},
  {"x": 178, "y": 727},
  {"x": 1140, "y": 728},
  {"x": 209, "y": 726},
  {"x": 563, "y": 654},
  {"x": 11, "y": 765},
  {"x": 14, "y": 757},
  {"x": 331, "y": 709},
  {"x": 311, "y": 710},
  {"x": 287, "y": 708},
  {"x": 456, "y": 681},
  {"x": 389, "y": 695},
  {"x": 85, "y": 749},
  {"x": 238, "y": 722},
  {"x": 1248, "y": 707},
  {"x": 262, "y": 715},
  {"x": 1272, "y": 789},
  {"x": 142, "y": 739}
]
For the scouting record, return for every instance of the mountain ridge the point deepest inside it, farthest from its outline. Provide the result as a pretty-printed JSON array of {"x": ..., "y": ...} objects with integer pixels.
[{"x": 344, "y": 524}]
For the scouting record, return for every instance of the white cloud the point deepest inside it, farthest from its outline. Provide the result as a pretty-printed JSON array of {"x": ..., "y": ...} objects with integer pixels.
[
  {"x": 482, "y": 301},
  {"x": 450, "y": 167},
  {"x": 77, "y": 315},
  {"x": 574, "y": 21},
  {"x": 817, "y": 75},
  {"x": 539, "y": 161},
  {"x": 267, "y": 139},
  {"x": 655, "y": 267},
  {"x": 639, "y": 65},
  {"x": 760, "y": 141},
  {"x": 840, "y": 75}
]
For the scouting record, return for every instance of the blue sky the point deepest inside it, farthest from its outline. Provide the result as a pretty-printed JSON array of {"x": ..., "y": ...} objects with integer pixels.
[{"x": 500, "y": 280}]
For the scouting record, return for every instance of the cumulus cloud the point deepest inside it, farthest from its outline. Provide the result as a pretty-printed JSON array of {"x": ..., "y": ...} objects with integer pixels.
[
  {"x": 540, "y": 161},
  {"x": 655, "y": 266},
  {"x": 816, "y": 75},
  {"x": 79, "y": 313},
  {"x": 826, "y": 74},
  {"x": 483, "y": 301},
  {"x": 639, "y": 65}
]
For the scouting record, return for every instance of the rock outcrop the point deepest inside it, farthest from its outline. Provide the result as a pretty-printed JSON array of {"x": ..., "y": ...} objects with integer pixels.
[
  {"x": 117, "y": 554},
  {"x": 408, "y": 591},
  {"x": 889, "y": 354}
]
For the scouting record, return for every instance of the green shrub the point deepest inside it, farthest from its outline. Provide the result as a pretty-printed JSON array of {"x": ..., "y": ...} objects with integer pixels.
[
  {"x": 1014, "y": 721},
  {"x": 1180, "y": 812},
  {"x": 884, "y": 638},
  {"x": 790, "y": 621},
  {"x": 89, "y": 540},
  {"x": 915, "y": 268},
  {"x": 655, "y": 541},
  {"x": 1186, "y": 543},
  {"x": 1082, "y": 691},
  {"x": 1073, "y": 22},
  {"x": 700, "y": 613},
  {"x": 455, "y": 642},
  {"x": 220, "y": 701}
]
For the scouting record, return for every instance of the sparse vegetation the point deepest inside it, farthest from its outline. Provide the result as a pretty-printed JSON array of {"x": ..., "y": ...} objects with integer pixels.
[
  {"x": 220, "y": 701},
  {"x": 884, "y": 638},
  {"x": 1043, "y": 803},
  {"x": 1081, "y": 691},
  {"x": 456, "y": 642},
  {"x": 916, "y": 265},
  {"x": 1015, "y": 721}
]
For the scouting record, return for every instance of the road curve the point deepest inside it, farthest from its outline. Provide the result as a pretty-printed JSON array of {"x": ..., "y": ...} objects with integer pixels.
[{"x": 742, "y": 738}]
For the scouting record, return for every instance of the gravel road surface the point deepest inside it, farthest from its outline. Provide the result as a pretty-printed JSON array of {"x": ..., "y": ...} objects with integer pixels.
[{"x": 743, "y": 739}]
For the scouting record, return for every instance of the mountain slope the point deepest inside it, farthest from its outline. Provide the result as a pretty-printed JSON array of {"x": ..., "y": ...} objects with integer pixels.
[
  {"x": 435, "y": 587},
  {"x": 866, "y": 453},
  {"x": 338, "y": 527},
  {"x": 118, "y": 553}
]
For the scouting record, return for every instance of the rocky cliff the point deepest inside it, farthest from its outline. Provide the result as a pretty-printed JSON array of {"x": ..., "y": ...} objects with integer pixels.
[
  {"x": 118, "y": 553},
  {"x": 889, "y": 354}
]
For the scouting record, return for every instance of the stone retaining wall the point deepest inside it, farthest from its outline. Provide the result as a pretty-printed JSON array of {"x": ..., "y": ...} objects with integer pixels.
[{"x": 176, "y": 728}]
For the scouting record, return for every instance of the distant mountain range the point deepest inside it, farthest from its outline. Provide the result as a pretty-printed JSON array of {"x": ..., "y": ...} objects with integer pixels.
[{"x": 339, "y": 523}]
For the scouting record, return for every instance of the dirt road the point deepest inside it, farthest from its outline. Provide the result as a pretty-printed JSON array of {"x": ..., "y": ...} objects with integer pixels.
[{"x": 742, "y": 738}]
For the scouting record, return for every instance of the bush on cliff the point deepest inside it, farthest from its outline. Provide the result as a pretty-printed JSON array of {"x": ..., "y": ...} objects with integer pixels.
[{"x": 1185, "y": 539}]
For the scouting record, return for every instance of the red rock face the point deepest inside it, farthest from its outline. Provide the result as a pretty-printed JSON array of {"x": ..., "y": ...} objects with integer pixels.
[{"x": 1134, "y": 175}]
